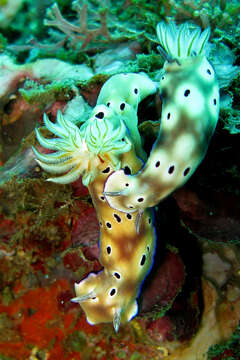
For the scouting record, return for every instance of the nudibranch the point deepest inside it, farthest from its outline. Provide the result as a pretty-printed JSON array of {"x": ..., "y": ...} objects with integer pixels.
[
  {"x": 113, "y": 94},
  {"x": 102, "y": 145},
  {"x": 190, "y": 106}
]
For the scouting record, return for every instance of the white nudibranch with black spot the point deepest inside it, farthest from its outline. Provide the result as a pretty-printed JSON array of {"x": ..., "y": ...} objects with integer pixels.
[
  {"x": 102, "y": 145},
  {"x": 190, "y": 108},
  {"x": 109, "y": 141},
  {"x": 114, "y": 95}
]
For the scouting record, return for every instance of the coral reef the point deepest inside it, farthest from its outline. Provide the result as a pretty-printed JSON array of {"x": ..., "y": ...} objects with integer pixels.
[{"x": 49, "y": 232}]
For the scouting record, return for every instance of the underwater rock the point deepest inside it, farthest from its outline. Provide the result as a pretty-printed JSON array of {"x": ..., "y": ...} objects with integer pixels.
[
  {"x": 165, "y": 284},
  {"x": 219, "y": 212},
  {"x": 86, "y": 229}
]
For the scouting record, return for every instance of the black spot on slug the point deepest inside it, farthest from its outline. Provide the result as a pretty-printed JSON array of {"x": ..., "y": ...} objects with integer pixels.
[
  {"x": 209, "y": 71},
  {"x": 117, "y": 275},
  {"x": 168, "y": 116},
  {"x": 100, "y": 115},
  {"x": 157, "y": 164},
  {"x": 143, "y": 259},
  {"x": 135, "y": 90},
  {"x": 127, "y": 184},
  {"x": 214, "y": 101},
  {"x": 102, "y": 197},
  {"x": 109, "y": 250},
  {"x": 112, "y": 292},
  {"x": 171, "y": 169},
  {"x": 148, "y": 248},
  {"x": 109, "y": 225},
  {"x": 149, "y": 220},
  {"x": 105, "y": 171},
  {"x": 140, "y": 199},
  {"x": 186, "y": 92},
  {"x": 122, "y": 106},
  {"x": 117, "y": 217},
  {"x": 186, "y": 171},
  {"x": 129, "y": 216},
  {"x": 127, "y": 170},
  {"x": 108, "y": 104}
]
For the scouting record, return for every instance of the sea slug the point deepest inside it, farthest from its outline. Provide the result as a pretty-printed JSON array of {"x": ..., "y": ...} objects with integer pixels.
[
  {"x": 107, "y": 151},
  {"x": 190, "y": 106},
  {"x": 106, "y": 142}
]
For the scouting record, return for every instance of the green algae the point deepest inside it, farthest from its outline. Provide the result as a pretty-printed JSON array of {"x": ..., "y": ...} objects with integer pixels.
[
  {"x": 33, "y": 92},
  {"x": 136, "y": 356},
  {"x": 232, "y": 344},
  {"x": 57, "y": 90},
  {"x": 76, "y": 341},
  {"x": 4, "y": 357},
  {"x": 149, "y": 63}
]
